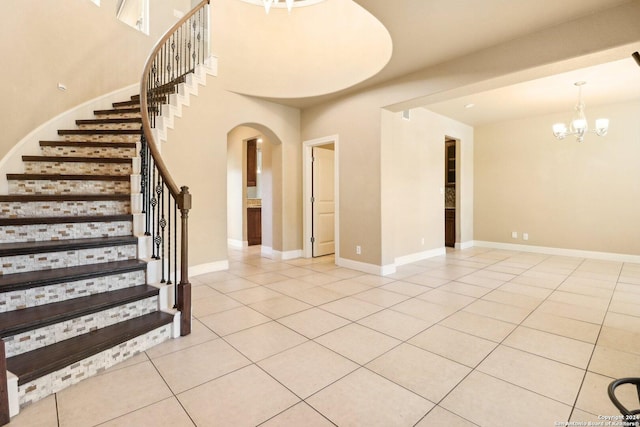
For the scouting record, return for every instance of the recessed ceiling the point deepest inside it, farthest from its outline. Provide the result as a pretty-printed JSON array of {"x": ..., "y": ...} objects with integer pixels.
[
  {"x": 608, "y": 83},
  {"x": 314, "y": 50},
  {"x": 336, "y": 47}
]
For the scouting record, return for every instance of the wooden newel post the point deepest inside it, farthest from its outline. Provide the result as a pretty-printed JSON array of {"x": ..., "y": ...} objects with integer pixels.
[
  {"x": 184, "y": 287},
  {"x": 4, "y": 392}
]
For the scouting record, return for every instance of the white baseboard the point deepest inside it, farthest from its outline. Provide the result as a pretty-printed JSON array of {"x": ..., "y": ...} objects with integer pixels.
[
  {"x": 419, "y": 256},
  {"x": 237, "y": 244},
  {"x": 210, "y": 267},
  {"x": 14, "y": 397},
  {"x": 464, "y": 245},
  {"x": 269, "y": 252},
  {"x": 378, "y": 270},
  {"x": 606, "y": 256}
]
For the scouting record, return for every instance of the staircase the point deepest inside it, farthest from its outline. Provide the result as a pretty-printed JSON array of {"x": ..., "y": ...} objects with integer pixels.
[
  {"x": 94, "y": 234},
  {"x": 76, "y": 296}
]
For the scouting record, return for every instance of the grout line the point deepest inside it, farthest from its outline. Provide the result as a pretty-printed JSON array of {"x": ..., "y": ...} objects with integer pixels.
[
  {"x": 429, "y": 289},
  {"x": 595, "y": 345}
]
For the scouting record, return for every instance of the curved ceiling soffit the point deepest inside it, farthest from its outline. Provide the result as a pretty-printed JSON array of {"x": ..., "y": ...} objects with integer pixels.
[
  {"x": 265, "y": 130},
  {"x": 316, "y": 50}
]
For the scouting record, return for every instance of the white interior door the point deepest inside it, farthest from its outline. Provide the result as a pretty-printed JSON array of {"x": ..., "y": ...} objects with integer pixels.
[{"x": 323, "y": 206}]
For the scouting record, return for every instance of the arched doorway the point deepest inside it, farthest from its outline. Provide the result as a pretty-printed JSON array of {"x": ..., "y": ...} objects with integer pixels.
[{"x": 253, "y": 167}]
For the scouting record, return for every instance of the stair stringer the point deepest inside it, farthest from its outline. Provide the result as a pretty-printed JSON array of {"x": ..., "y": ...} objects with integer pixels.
[
  {"x": 29, "y": 145},
  {"x": 173, "y": 109}
]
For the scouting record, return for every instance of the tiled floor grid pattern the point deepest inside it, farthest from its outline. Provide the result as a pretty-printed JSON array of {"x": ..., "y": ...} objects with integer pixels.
[{"x": 477, "y": 337}]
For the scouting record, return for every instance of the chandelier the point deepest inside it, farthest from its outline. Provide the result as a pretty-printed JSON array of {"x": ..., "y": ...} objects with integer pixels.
[
  {"x": 269, "y": 3},
  {"x": 281, "y": 4},
  {"x": 578, "y": 125}
]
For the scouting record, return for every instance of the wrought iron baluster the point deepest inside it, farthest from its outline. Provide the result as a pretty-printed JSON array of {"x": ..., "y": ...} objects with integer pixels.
[
  {"x": 143, "y": 178},
  {"x": 154, "y": 203},
  {"x": 199, "y": 37},
  {"x": 175, "y": 244},
  {"x": 178, "y": 53},
  {"x": 168, "y": 239},
  {"x": 195, "y": 47},
  {"x": 163, "y": 224},
  {"x": 157, "y": 239}
]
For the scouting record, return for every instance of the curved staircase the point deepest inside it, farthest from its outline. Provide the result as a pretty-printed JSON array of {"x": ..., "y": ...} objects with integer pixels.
[
  {"x": 94, "y": 235},
  {"x": 77, "y": 286}
]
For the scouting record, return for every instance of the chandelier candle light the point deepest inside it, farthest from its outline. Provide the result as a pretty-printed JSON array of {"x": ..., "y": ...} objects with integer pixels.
[
  {"x": 578, "y": 125},
  {"x": 268, "y": 3}
]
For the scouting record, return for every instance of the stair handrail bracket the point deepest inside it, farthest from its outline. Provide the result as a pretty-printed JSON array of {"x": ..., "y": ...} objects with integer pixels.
[{"x": 178, "y": 53}]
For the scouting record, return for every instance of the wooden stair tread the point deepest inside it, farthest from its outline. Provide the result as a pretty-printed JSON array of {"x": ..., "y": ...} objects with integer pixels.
[
  {"x": 35, "y": 364},
  {"x": 22, "y": 198},
  {"x": 125, "y": 104},
  {"x": 115, "y": 120},
  {"x": 28, "y": 248},
  {"x": 165, "y": 89},
  {"x": 19, "y": 321},
  {"x": 116, "y": 111},
  {"x": 74, "y": 159},
  {"x": 88, "y": 144},
  {"x": 99, "y": 131},
  {"x": 64, "y": 219},
  {"x": 31, "y": 279},
  {"x": 66, "y": 177}
]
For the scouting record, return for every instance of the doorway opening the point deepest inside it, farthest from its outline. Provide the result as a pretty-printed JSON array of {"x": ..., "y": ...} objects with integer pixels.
[
  {"x": 254, "y": 193},
  {"x": 450, "y": 182},
  {"x": 252, "y": 166},
  {"x": 321, "y": 201}
]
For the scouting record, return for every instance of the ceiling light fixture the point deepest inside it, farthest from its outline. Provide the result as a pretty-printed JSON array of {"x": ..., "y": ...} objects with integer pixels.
[
  {"x": 269, "y": 3},
  {"x": 578, "y": 125},
  {"x": 281, "y": 4}
]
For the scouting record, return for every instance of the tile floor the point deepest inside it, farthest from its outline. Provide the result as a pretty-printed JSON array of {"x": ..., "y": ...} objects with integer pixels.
[{"x": 476, "y": 337}]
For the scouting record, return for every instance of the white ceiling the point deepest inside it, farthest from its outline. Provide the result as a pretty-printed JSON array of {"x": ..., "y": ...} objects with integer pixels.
[
  {"x": 319, "y": 48},
  {"x": 608, "y": 83},
  {"x": 422, "y": 33}
]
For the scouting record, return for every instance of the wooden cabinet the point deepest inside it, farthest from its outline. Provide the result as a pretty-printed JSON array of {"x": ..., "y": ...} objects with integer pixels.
[
  {"x": 254, "y": 226},
  {"x": 450, "y": 227},
  {"x": 252, "y": 162},
  {"x": 450, "y": 163}
]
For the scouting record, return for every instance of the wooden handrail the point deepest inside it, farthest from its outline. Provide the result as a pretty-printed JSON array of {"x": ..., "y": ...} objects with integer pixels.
[
  {"x": 144, "y": 105},
  {"x": 175, "y": 55}
]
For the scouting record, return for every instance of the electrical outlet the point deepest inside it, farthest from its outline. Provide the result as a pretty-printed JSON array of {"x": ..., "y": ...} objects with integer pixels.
[
  {"x": 514, "y": 234},
  {"x": 422, "y": 241},
  {"x": 358, "y": 250},
  {"x": 525, "y": 236}
]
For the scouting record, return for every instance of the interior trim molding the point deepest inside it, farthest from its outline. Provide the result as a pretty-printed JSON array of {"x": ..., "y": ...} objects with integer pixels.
[
  {"x": 237, "y": 244},
  {"x": 270, "y": 253},
  {"x": 464, "y": 245},
  {"x": 419, "y": 256},
  {"x": 579, "y": 253},
  {"x": 379, "y": 270},
  {"x": 209, "y": 267}
]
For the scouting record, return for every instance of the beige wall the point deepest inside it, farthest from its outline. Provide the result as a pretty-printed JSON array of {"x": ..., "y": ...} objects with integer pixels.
[
  {"x": 357, "y": 119},
  {"x": 196, "y": 153},
  {"x": 267, "y": 193},
  {"x": 413, "y": 181},
  {"x": 237, "y": 185},
  {"x": 564, "y": 194},
  {"x": 44, "y": 43},
  {"x": 197, "y": 148},
  {"x": 236, "y": 182}
]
